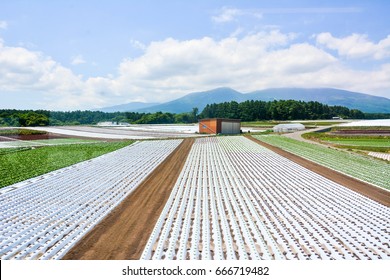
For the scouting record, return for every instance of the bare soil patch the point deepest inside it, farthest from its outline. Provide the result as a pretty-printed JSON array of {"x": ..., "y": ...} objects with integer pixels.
[
  {"x": 375, "y": 193},
  {"x": 124, "y": 233}
]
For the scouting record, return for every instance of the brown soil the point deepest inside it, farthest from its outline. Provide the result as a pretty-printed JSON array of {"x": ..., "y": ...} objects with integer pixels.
[
  {"x": 375, "y": 193},
  {"x": 30, "y": 137},
  {"x": 124, "y": 233}
]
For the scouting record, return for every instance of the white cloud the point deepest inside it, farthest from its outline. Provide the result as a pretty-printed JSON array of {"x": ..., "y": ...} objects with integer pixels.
[
  {"x": 356, "y": 46},
  {"x": 227, "y": 14},
  {"x": 77, "y": 60},
  {"x": 171, "y": 68},
  {"x": 3, "y": 24},
  {"x": 22, "y": 70},
  {"x": 137, "y": 44}
]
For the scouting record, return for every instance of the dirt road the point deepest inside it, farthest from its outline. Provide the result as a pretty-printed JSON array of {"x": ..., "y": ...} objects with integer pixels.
[
  {"x": 125, "y": 231},
  {"x": 375, "y": 193}
]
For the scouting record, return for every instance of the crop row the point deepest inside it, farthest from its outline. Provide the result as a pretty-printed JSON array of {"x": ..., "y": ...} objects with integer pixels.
[
  {"x": 24, "y": 164},
  {"x": 16, "y": 132},
  {"x": 237, "y": 200},
  {"x": 362, "y": 142},
  {"x": 44, "y": 142},
  {"x": 45, "y": 217},
  {"x": 385, "y": 156},
  {"x": 357, "y": 166}
]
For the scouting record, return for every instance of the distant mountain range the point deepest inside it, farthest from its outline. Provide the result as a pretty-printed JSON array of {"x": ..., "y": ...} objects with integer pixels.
[
  {"x": 353, "y": 100},
  {"x": 129, "y": 107}
]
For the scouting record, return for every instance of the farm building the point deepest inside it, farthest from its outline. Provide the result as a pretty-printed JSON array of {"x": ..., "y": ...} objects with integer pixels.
[
  {"x": 216, "y": 125},
  {"x": 288, "y": 127}
]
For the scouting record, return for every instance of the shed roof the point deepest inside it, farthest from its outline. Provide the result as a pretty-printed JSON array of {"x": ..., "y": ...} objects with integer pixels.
[{"x": 221, "y": 119}]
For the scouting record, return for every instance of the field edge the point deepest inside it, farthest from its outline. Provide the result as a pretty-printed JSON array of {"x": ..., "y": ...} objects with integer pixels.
[{"x": 375, "y": 193}]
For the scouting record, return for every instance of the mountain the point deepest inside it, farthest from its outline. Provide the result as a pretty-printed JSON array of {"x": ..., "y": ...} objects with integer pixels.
[
  {"x": 197, "y": 99},
  {"x": 353, "y": 100},
  {"x": 129, "y": 107}
]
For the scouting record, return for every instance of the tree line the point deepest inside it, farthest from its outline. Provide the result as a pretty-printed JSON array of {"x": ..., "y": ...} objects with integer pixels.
[
  {"x": 246, "y": 111},
  {"x": 278, "y": 110},
  {"x": 56, "y": 118}
]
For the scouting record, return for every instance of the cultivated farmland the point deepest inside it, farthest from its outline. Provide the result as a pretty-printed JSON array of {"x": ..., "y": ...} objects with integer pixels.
[
  {"x": 230, "y": 198},
  {"x": 237, "y": 200},
  {"x": 385, "y": 156},
  {"x": 44, "y": 217},
  {"x": 23, "y": 163},
  {"x": 357, "y": 166}
]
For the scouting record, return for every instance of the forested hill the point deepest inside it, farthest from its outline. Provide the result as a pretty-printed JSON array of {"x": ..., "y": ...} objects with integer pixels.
[
  {"x": 278, "y": 110},
  {"x": 246, "y": 111},
  {"x": 329, "y": 96}
]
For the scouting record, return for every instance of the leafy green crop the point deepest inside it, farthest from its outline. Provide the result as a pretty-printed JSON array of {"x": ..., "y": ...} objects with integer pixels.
[
  {"x": 22, "y": 165},
  {"x": 358, "y": 166},
  {"x": 363, "y": 142},
  {"x": 376, "y": 143}
]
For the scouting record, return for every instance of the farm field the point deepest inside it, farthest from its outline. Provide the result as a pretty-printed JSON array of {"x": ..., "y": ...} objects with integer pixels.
[
  {"x": 123, "y": 233},
  {"x": 235, "y": 199},
  {"x": 138, "y": 132},
  {"x": 358, "y": 166},
  {"x": 44, "y": 142},
  {"x": 355, "y": 141},
  {"x": 17, "y": 165},
  {"x": 385, "y": 156},
  {"x": 368, "y": 123},
  {"x": 43, "y": 218},
  {"x": 231, "y": 198},
  {"x": 361, "y": 142}
]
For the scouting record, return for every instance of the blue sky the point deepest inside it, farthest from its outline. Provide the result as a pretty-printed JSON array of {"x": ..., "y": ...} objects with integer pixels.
[{"x": 67, "y": 55}]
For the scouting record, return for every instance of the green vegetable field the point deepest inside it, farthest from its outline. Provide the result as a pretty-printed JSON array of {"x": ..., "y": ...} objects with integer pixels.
[
  {"x": 21, "y": 165},
  {"x": 362, "y": 142},
  {"x": 361, "y": 167}
]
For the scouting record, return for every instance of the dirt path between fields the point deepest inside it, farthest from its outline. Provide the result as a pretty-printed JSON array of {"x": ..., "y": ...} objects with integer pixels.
[
  {"x": 375, "y": 193},
  {"x": 123, "y": 234}
]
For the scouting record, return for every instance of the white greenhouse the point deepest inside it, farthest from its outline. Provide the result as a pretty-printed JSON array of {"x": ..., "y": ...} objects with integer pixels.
[{"x": 288, "y": 127}]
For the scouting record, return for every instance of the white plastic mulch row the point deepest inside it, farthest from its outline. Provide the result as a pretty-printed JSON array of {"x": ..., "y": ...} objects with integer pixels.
[
  {"x": 235, "y": 199},
  {"x": 380, "y": 155},
  {"x": 357, "y": 166},
  {"x": 381, "y": 122},
  {"x": 46, "y": 217}
]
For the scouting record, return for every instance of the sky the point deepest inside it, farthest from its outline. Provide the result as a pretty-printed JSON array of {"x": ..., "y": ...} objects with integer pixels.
[{"x": 77, "y": 55}]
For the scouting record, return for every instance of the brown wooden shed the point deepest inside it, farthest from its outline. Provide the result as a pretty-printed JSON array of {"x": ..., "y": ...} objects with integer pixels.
[{"x": 219, "y": 125}]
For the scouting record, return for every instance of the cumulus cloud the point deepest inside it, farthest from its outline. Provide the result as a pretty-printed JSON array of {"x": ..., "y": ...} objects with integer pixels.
[
  {"x": 77, "y": 60},
  {"x": 20, "y": 67},
  {"x": 178, "y": 66},
  {"x": 23, "y": 70},
  {"x": 356, "y": 46},
  {"x": 171, "y": 68}
]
